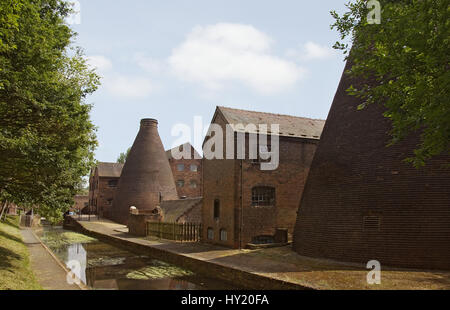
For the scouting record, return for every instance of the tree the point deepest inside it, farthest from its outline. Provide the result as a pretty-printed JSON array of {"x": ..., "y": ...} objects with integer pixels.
[
  {"x": 408, "y": 55},
  {"x": 46, "y": 135},
  {"x": 123, "y": 156}
]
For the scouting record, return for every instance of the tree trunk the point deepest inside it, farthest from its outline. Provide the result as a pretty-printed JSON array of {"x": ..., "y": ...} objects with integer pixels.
[{"x": 5, "y": 206}]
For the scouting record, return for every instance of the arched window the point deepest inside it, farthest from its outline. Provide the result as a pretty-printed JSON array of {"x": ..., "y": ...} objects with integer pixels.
[
  {"x": 223, "y": 235},
  {"x": 210, "y": 233},
  {"x": 263, "y": 196}
]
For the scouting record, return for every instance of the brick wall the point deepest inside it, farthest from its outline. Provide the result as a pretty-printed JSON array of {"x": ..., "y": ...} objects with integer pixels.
[
  {"x": 101, "y": 194},
  {"x": 187, "y": 176},
  {"x": 362, "y": 202}
]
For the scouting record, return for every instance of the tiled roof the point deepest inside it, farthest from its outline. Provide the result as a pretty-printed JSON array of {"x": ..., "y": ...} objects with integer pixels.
[
  {"x": 174, "y": 209},
  {"x": 111, "y": 170},
  {"x": 195, "y": 154},
  {"x": 290, "y": 126}
]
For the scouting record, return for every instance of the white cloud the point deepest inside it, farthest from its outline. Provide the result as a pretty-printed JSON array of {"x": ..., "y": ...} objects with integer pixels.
[
  {"x": 311, "y": 51},
  {"x": 216, "y": 54},
  {"x": 129, "y": 86},
  {"x": 99, "y": 62},
  {"x": 149, "y": 64}
]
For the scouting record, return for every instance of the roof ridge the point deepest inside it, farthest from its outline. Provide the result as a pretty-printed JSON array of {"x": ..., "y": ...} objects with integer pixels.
[{"x": 269, "y": 113}]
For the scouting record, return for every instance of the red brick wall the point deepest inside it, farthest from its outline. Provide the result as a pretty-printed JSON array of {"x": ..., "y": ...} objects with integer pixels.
[
  {"x": 187, "y": 176},
  {"x": 100, "y": 193},
  {"x": 355, "y": 175},
  {"x": 222, "y": 180}
]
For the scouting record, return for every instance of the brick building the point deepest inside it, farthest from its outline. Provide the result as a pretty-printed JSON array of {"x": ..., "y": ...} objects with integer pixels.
[
  {"x": 81, "y": 204},
  {"x": 362, "y": 202},
  {"x": 102, "y": 186},
  {"x": 187, "y": 172},
  {"x": 243, "y": 204}
]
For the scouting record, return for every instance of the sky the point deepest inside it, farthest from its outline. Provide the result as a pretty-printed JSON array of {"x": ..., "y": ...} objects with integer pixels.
[{"x": 176, "y": 60}]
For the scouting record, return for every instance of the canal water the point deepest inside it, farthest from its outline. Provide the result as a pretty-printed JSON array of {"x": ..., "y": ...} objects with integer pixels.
[{"x": 105, "y": 267}]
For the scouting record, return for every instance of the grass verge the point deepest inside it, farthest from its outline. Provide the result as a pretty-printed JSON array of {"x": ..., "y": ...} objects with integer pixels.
[{"x": 15, "y": 270}]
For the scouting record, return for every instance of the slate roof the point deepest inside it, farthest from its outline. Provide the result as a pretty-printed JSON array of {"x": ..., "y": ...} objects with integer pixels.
[
  {"x": 174, "y": 209},
  {"x": 290, "y": 126},
  {"x": 109, "y": 170}
]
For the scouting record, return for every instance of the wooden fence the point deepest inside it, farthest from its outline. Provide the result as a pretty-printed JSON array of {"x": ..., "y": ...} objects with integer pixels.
[{"x": 172, "y": 231}]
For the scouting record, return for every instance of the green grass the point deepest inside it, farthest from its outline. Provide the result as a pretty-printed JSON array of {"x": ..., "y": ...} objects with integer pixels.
[{"x": 15, "y": 270}]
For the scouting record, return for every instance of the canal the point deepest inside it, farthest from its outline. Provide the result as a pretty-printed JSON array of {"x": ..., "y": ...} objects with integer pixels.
[{"x": 106, "y": 267}]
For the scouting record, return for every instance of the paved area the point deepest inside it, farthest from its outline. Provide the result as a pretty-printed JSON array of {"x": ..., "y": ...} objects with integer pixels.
[
  {"x": 49, "y": 272},
  {"x": 284, "y": 264}
]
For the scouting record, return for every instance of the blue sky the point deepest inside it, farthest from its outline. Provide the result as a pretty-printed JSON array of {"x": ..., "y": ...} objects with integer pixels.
[{"x": 174, "y": 60}]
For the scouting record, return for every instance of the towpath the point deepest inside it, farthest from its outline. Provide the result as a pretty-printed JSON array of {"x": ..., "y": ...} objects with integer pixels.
[{"x": 50, "y": 273}]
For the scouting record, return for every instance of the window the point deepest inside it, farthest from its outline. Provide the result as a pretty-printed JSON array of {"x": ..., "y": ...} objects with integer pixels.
[
  {"x": 180, "y": 183},
  {"x": 112, "y": 183},
  {"x": 263, "y": 196},
  {"x": 109, "y": 202},
  {"x": 193, "y": 184},
  {"x": 210, "y": 233},
  {"x": 194, "y": 168},
  {"x": 216, "y": 209},
  {"x": 180, "y": 167},
  {"x": 223, "y": 235}
]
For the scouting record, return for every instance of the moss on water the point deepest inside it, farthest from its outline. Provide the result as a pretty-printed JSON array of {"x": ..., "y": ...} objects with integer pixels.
[
  {"x": 160, "y": 270},
  {"x": 58, "y": 239}
]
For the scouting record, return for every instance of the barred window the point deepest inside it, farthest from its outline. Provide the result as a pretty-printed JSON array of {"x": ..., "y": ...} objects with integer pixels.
[
  {"x": 263, "y": 196},
  {"x": 210, "y": 233},
  {"x": 223, "y": 235}
]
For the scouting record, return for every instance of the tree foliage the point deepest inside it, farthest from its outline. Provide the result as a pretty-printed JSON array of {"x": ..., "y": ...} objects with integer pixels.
[
  {"x": 123, "y": 156},
  {"x": 46, "y": 135},
  {"x": 408, "y": 55}
]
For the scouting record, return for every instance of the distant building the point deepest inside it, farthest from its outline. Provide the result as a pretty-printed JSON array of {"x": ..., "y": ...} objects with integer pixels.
[
  {"x": 102, "y": 186},
  {"x": 243, "y": 204},
  {"x": 81, "y": 203},
  {"x": 187, "y": 172}
]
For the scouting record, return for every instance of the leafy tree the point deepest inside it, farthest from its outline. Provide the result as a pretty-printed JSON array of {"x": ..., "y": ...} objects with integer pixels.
[
  {"x": 408, "y": 55},
  {"x": 123, "y": 156},
  {"x": 46, "y": 135}
]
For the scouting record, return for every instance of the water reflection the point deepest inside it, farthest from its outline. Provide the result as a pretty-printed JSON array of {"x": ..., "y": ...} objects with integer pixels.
[{"x": 106, "y": 267}]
